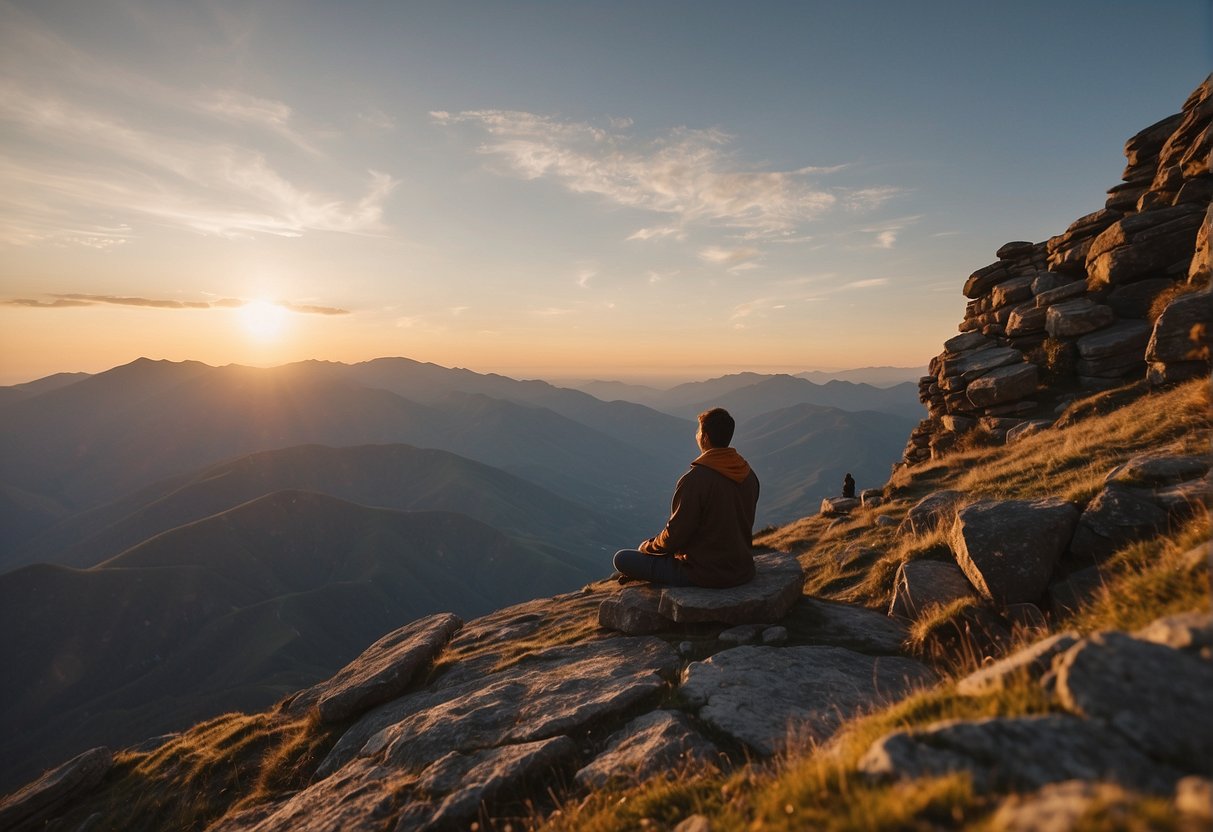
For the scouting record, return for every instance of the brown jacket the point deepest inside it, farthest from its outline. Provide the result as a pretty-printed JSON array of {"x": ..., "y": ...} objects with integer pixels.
[{"x": 711, "y": 521}]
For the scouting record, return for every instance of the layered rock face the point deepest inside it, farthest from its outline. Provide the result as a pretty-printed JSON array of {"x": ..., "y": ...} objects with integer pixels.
[{"x": 1080, "y": 311}]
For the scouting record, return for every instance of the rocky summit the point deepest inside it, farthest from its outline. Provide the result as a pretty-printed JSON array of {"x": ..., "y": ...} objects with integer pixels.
[
  {"x": 1121, "y": 295},
  {"x": 1014, "y": 633}
]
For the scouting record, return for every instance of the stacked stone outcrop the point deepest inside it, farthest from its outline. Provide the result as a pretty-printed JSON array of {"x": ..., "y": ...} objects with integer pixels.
[{"x": 1080, "y": 311}]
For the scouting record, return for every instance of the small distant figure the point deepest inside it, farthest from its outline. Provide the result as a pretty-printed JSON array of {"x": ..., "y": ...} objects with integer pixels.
[{"x": 848, "y": 486}]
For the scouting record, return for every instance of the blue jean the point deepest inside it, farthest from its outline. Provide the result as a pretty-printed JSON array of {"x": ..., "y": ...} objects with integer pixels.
[{"x": 657, "y": 569}]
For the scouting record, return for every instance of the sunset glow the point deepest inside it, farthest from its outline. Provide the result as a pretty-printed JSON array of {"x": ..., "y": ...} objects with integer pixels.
[{"x": 540, "y": 189}]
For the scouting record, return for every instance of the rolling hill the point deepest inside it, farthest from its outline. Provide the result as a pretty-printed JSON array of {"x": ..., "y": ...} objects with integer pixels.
[
  {"x": 105, "y": 436},
  {"x": 382, "y": 476},
  {"x": 802, "y": 452},
  {"x": 232, "y": 612}
]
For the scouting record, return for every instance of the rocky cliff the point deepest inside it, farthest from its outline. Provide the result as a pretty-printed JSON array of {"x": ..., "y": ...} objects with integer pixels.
[{"x": 1121, "y": 295}]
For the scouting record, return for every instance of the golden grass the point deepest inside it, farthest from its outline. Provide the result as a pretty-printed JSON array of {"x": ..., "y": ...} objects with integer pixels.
[
  {"x": 226, "y": 764},
  {"x": 821, "y": 788}
]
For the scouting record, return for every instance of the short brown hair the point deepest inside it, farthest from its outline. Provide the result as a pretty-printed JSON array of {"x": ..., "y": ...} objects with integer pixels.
[{"x": 718, "y": 426}]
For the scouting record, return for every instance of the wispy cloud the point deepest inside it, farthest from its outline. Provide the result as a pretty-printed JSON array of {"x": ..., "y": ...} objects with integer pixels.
[
  {"x": 865, "y": 284},
  {"x": 584, "y": 276},
  {"x": 688, "y": 174},
  {"x": 551, "y": 311},
  {"x": 735, "y": 259},
  {"x": 95, "y": 153},
  {"x": 78, "y": 299}
]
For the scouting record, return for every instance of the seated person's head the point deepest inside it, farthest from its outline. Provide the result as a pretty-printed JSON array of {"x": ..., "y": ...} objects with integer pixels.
[{"x": 716, "y": 426}]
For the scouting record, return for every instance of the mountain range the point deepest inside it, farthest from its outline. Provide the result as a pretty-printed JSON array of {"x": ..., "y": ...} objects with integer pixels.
[{"x": 182, "y": 539}]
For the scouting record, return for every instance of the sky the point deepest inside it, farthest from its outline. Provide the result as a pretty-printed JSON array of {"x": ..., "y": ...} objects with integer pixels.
[{"x": 647, "y": 191}]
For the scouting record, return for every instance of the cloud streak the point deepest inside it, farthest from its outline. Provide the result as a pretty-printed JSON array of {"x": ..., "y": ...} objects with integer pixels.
[
  {"x": 78, "y": 299},
  {"x": 686, "y": 174},
  {"x": 96, "y": 154}
]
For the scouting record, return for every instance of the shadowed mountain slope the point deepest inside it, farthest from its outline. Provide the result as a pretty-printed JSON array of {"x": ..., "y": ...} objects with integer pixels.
[
  {"x": 384, "y": 476},
  {"x": 131, "y": 426},
  {"x": 775, "y": 392},
  {"x": 802, "y": 452},
  {"x": 234, "y": 611}
]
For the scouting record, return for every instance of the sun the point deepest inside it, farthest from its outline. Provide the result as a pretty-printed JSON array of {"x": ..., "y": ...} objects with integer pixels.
[{"x": 263, "y": 320}]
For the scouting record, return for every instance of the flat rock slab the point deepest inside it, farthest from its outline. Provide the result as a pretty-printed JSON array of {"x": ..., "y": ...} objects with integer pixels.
[
  {"x": 645, "y": 608},
  {"x": 556, "y": 691},
  {"x": 1009, "y": 548},
  {"x": 1159, "y": 469},
  {"x": 1121, "y": 337},
  {"x": 836, "y": 506},
  {"x": 1118, "y": 515},
  {"x": 778, "y": 583},
  {"x": 383, "y": 671},
  {"x": 1016, "y": 753},
  {"x": 77, "y": 776},
  {"x": 776, "y": 698},
  {"x": 462, "y": 782},
  {"x": 922, "y": 583},
  {"x": 1156, "y": 697},
  {"x": 363, "y": 797},
  {"x": 658, "y": 743},
  {"x": 833, "y": 623}
]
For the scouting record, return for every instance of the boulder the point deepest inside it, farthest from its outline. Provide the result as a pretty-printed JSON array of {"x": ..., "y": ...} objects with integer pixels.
[
  {"x": 972, "y": 365},
  {"x": 635, "y": 610},
  {"x": 1191, "y": 631},
  {"x": 1026, "y": 319},
  {"x": 931, "y": 510},
  {"x": 778, "y": 583},
  {"x": 644, "y": 608},
  {"x": 1015, "y": 250},
  {"x": 660, "y": 743},
  {"x": 775, "y": 635},
  {"x": 383, "y": 671},
  {"x": 1121, "y": 337},
  {"x": 1154, "y": 469},
  {"x": 1184, "y": 330},
  {"x": 986, "y": 278},
  {"x": 1116, "y": 517},
  {"x": 1011, "y": 291},
  {"x": 1135, "y": 299},
  {"x": 1070, "y": 594},
  {"x": 459, "y": 783},
  {"x": 1077, "y": 317},
  {"x": 741, "y": 634},
  {"x": 76, "y": 777},
  {"x": 837, "y": 506},
  {"x": 1111, "y": 367},
  {"x": 776, "y": 698},
  {"x": 1156, "y": 697},
  {"x": 1008, "y": 548},
  {"x": 559, "y": 690},
  {"x": 1058, "y": 807},
  {"x": 921, "y": 583},
  {"x": 967, "y": 342},
  {"x": 1065, "y": 291},
  {"x": 1148, "y": 254},
  {"x": 1033, "y": 661},
  {"x": 1029, "y": 428},
  {"x": 1005, "y": 384},
  {"x": 817, "y": 621},
  {"x": 1016, "y": 753}
]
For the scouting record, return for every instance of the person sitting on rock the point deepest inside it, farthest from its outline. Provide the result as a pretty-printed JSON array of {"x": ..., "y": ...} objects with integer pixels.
[
  {"x": 848, "y": 486},
  {"x": 706, "y": 542}
]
